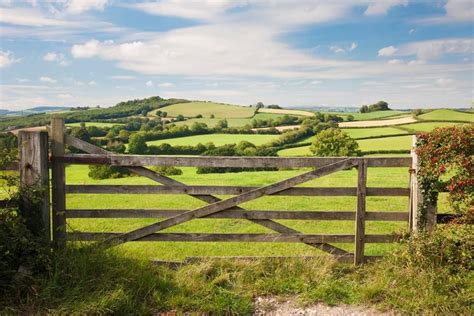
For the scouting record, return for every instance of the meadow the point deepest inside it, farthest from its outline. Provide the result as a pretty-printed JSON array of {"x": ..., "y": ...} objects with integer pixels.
[
  {"x": 206, "y": 109},
  {"x": 98, "y": 124},
  {"x": 217, "y": 139},
  {"x": 447, "y": 115}
]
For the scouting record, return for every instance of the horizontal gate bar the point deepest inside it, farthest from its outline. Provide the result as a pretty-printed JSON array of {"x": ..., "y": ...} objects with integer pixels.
[
  {"x": 227, "y": 190},
  {"x": 219, "y": 161},
  {"x": 203, "y": 237},
  {"x": 236, "y": 213}
]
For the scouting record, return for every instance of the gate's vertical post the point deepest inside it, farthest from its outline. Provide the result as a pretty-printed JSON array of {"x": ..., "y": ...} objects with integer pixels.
[
  {"x": 360, "y": 212},
  {"x": 58, "y": 183},
  {"x": 415, "y": 192},
  {"x": 33, "y": 153}
]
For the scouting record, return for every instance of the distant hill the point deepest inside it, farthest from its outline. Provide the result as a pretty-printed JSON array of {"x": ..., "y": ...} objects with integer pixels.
[{"x": 34, "y": 110}]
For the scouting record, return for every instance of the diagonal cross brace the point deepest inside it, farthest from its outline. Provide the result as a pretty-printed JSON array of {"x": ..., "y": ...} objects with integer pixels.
[
  {"x": 142, "y": 171},
  {"x": 231, "y": 202}
]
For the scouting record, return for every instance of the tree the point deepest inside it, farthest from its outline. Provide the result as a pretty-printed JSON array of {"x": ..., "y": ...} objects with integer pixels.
[
  {"x": 334, "y": 142},
  {"x": 137, "y": 144},
  {"x": 259, "y": 105},
  {"x": 222, "y": 124},
  {"x": 350, "y": 118},
  {"x": 364, "y": 109},
  {"x": 212, "y": 116},
  {"x": 179, "y": 118},
  {"x": 379, "y": 106}
]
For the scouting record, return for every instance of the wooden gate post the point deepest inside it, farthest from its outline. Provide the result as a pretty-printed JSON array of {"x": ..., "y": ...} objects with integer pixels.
[
  {"x": 33, "y": 154},
  {"x": 360, "y": 212},
  {"x": 58, "y": 183}
]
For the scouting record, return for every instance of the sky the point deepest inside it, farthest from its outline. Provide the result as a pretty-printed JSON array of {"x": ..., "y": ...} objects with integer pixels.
[{"x": 410, "y": 53}]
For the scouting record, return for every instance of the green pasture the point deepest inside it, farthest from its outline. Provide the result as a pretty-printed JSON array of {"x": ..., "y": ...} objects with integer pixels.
[
  {"x": 206, "y": 109},
  {"x": 377, "y": 177},
  {"x": 372, "y": 132},
  {"x": 447, "y": 115},
  {"x": 369, "y": 116},
  {"x": 98, "y": 124},
  {"x": 388, "y": 143},
  {"x": 232, "y": 122},
  {"x": 217, "y": 139},
  {"x": 427, "y": 126},
  {"x": 295, "y": 152}
]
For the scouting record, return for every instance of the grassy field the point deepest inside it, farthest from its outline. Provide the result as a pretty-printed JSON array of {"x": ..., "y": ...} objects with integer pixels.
[
  {"x": 98, "y": 124},
  {"x": 179, "y": 250},
  {"x": 368, "y": 132},
  {"x": 369, "y": 116},
  {"x": 206, "y": 109},
  {"x": 427, "y": 126},
  {"x": 389, "y": 143},
  {"x": 295, "y": 152},
  {"x": 217, "y": 139},
  {"x": 447, "y": 115},
  {"x": 286, "y": 111}
]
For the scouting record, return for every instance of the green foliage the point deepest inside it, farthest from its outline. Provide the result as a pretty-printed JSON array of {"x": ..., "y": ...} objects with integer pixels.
[
  {"x": 137, "y": 144},
  {"x": 379, "y": 106},
  {"x": 167, "y": 170},
  {"x": 334, "y": 142},
  {"x": 99, "y": 172},
  {"x": 445, "y": 160}
]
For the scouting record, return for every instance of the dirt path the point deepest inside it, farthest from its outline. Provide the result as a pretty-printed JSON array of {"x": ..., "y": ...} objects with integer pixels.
[
  {"x": 274, "y": 307},
  {"x": 397, "y": 121}
]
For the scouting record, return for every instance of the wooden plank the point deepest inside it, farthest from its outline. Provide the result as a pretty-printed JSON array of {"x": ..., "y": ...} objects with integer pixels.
[
  {"x": 205, "y": 237},
  {"x": 58, "y": 183},
  {"x": 231, "y": 202},
  {"x": 34, "y": 171},
  {"x": 226, "y": 190},
  {"x": 415, "y": 192},
  {"x": 360, "y": 212},
  {"x": 238, "y": 213},
  {"x": 218, "y": 161}
]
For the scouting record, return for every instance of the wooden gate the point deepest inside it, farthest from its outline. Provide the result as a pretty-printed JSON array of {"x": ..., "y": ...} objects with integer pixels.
[{"x": 217, "y": 208}]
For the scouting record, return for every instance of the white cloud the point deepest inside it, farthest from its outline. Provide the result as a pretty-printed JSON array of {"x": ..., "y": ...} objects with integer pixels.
[
  {"x": 166, "y": 85},
  {"x": 411, "y": 31},
  {"x": 387, "y": 51},
  {"x": 395, "y": 61},
  {"x": 337, "y": 49},
  {"x": 7, "y": 58},
  {"x": 353, "y": 46},
  {"x": 92, "y": 83},
  {"x": 316, "y": 82},
  {"x": 86, "y": 50},
  {"x": 79, "y": 6},
  {"x": 380, "y": 7},
  {"x": 64, "y": 96},
  {"x": 122, "y": 77},
  {"x": 429, "y": 50},
  {"x": 47, "y": 79},
  {"x": 22, "y": 80},
  {"x": 456, "y": 11},
  {"x": 444, "y": 81},
  {"x": 149, "y": 83}
]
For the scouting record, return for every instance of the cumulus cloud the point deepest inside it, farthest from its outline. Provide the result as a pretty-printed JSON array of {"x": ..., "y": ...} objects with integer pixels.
[
  {"x": 380, "y": 7},
  {"x": 7, "y": 58},
  {"x": 122, "y": 77},
  {"x": 92, "y": 83},
  {"x": 79, "y": 6},
  {"x": 166, "y": 85},
  {"x": 149, "y": 83},
  {"x": 387, "y": 51},
  {"x": 47, "y": 79}
]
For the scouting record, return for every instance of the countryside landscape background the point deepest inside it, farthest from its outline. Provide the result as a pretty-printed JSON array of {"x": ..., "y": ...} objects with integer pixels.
[{"x": 115, "y": 83}]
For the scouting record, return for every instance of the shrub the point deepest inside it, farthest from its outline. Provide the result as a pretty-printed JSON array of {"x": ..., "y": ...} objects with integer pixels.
[
  {"x": 167, "y": 170},
  {"x": 334, "y": 142},
  {"x": 100, "y": 172},
  {"x": 137, "y": 144}
]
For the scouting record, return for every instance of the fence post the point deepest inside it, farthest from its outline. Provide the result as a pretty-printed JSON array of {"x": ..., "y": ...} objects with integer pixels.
[
  {"x": 360, "y": 212},
  {"x": 58, "y": 183},
  {"x": 33, "y": 154}
]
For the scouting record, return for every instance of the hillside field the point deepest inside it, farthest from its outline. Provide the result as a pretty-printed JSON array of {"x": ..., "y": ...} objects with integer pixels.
[
  {"x": 217, "y": 139},
  {"x": 447, "y": 115},
  {"x": 98, "y": 124},
  {"x": 206, "y": 109}
]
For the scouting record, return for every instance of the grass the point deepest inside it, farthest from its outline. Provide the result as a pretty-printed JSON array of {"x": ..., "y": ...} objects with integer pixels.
[
  {"x": 286, "y": 111},
  {"x": 426, "y": 126},
  {"x": 295, "y": 152},
  {"x": 217, "y": 139},
  {"x": 98, "y": 124},
  {"x": 447, "y": 115},
  {"x": 369, "y": 116},
  {"x": 206, "y": 109},
  {"x": 389, "y": 143},
  {"x": 371, "y": 132}
]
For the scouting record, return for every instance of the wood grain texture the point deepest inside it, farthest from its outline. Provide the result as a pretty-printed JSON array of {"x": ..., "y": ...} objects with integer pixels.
[{"x": 58, "y": 183}]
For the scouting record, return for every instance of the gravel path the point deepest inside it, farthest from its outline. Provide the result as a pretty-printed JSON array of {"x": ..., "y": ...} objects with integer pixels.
[{"x": 273, "y": 306}]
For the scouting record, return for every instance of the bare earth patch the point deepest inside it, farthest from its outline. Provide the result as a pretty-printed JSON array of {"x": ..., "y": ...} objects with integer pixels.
[
  {"x": 397, "y": 121},
  {"x": 273, "y": 306}
]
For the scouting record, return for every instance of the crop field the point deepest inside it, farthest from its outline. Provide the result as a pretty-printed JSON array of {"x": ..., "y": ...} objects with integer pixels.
[
  {"x": 217, "y": 139},
  {"x": 382, "y": 122},
  {"x": 447, "y": 115},
  {"x": 179, "y": 250},
  {"x": 206, "y": 109},
  {"x": 98, "y": 124},
  {"x": 286, "y": 111}
]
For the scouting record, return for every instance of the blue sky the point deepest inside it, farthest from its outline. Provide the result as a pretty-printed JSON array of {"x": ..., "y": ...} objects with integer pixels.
[{"x": 413, "y": 54}]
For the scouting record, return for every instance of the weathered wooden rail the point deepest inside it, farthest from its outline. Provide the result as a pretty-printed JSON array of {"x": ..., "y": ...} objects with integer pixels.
[{"x": 311, "y": 167}]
